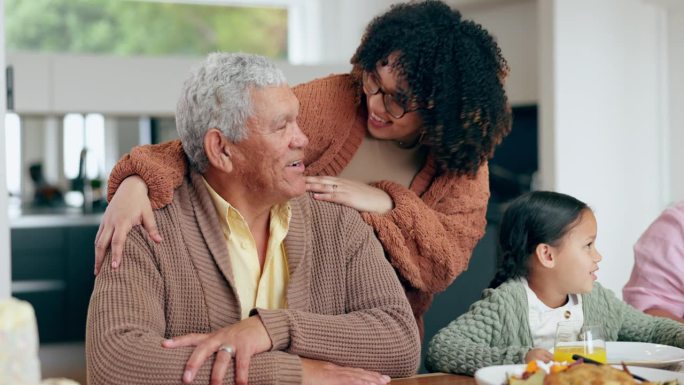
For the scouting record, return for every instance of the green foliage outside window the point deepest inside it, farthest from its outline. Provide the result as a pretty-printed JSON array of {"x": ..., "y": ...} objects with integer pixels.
[{"x": 125, "y": 27}]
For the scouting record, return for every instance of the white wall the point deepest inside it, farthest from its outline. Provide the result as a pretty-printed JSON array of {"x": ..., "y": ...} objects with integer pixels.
[
  {"x": 602, "y": 118},
  {"x": 512, "y": 23},
  {"x": 5, "y": 279},
  {"x": 675, "y": 25},
  {"x": 329, "y": 32}
]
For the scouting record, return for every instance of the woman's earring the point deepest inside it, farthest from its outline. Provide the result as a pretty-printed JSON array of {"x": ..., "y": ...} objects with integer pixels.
[
  {"x": 421, "y": 137},
  {"x": 416, "y": 143}
]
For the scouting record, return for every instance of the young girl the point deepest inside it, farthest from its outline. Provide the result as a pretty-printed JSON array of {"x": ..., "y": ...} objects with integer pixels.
[{"x": 546, "y": 275}]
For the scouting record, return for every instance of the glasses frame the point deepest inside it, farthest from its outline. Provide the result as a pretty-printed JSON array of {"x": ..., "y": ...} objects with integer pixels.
[{"x": 387, "y": 99}]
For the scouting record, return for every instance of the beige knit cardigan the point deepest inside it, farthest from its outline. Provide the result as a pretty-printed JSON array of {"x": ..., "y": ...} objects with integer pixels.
[
  {"x": 430, "y": 234},
  {"x": 345, "y": 304}
]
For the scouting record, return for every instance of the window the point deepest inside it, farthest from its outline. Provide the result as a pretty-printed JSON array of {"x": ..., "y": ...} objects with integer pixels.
[
  {"x": 95, "y": 143},
  {"x": 84, "y": 132},
  {"x": 13, "y": 153},
  {"x": 143, "y": 28}
]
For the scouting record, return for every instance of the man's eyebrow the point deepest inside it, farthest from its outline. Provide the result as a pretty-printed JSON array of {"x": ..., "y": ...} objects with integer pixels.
[
  {"x": 284, "y": 116},
  {"x": 279, "y": 118}
]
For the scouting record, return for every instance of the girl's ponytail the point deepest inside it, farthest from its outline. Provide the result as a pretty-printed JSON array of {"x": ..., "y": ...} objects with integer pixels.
[{"x": 505, "y": 271}]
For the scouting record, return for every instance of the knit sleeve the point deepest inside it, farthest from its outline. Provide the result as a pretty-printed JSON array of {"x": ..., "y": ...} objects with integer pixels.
[
  {"x": 474, "y": 340},
  {"x": 161, "y": 166},
  {"x": 638, "y": 326},
  {"x": 430, "y": 239},
  {"x": 377, "y": 330},
  {"x": 126, "y": 326}
]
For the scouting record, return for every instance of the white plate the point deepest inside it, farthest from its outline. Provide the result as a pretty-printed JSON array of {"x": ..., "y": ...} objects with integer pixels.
[
  {"x": 643, "y": 354},
  {"x": 496, "y": 375}
]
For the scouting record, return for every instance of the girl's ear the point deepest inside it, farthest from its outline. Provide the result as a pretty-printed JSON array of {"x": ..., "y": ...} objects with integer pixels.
[
  {"x": 218, "y": 150},
  {"x": 545, "y": 254}
]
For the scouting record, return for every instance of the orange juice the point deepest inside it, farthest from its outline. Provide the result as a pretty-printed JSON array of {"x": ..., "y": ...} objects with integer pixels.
[{"x": 564, "y": 353}]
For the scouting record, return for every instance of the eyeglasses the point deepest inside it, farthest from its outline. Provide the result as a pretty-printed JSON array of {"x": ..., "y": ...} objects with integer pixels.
[{"x": 371, "y": 86}]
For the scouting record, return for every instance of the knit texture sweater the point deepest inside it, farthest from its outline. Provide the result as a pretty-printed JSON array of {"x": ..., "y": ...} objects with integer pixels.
[
  {"x": 428, "y": 237},
  {"x": 345, "y": 304},
  {"x": 496, "y": 329}
]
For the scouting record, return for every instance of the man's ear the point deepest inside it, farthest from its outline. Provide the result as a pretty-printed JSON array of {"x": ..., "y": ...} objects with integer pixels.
[
  {"x": 218, "y": 148},
  {"x": 545, "y": 255}
]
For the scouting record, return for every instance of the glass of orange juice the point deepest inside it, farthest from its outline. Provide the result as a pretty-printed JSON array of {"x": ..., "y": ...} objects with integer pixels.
[{"x": 587, "y": 341}]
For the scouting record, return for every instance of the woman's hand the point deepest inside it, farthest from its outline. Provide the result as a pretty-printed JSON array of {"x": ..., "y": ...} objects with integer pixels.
[
  {"x": 129, "y": 207},
  {"x": 538, "y": 354},
  {"x": 356, "y": 195},
  {"x": 241, "y": 340}
]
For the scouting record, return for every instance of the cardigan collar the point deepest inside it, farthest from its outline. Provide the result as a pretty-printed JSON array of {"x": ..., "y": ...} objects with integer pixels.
[{"x": 298, "y": 248}]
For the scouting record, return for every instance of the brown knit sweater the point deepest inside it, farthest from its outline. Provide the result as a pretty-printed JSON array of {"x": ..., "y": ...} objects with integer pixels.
[
  {"x": 430, "y": 234},
  {"x": 345, "y": 304}
]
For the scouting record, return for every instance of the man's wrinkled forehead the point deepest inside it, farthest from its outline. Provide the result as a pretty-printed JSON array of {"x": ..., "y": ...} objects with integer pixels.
[{"x": 273, "y": 104}]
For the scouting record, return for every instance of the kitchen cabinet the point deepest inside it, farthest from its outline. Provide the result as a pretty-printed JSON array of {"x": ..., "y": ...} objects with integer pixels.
[{"x": 52, "y": 268}]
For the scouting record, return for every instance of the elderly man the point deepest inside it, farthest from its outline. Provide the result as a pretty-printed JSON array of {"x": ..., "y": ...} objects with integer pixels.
[{"x": 255, "y": 282}]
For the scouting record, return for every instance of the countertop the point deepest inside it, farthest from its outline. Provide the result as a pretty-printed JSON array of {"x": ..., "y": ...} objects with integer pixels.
[{"x": 23, "y": 217}]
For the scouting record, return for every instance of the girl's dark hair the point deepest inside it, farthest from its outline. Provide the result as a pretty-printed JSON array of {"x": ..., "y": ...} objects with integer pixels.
[
  {"x": 533, "y": 218},
  {"x": 454, "y": 70}
]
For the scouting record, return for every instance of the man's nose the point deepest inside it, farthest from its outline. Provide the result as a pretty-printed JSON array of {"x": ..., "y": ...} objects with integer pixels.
[{"x": 300, "y": 139}]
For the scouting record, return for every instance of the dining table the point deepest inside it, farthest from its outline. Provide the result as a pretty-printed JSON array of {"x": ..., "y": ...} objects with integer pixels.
[{"x": 435, "y": 379}]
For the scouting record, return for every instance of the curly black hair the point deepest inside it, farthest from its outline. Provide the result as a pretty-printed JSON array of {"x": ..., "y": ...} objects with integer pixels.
[{"x": 454, "y": 68}]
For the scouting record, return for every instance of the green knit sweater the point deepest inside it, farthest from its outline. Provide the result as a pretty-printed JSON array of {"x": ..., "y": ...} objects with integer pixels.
[{"x": 496, "y": 329}]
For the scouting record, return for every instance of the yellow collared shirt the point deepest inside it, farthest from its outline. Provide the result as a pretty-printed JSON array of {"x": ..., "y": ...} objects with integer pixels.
[{"x": 263, "y": 288}]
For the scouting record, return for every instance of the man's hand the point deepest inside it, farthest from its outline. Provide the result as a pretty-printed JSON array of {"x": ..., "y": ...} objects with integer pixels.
[
  {"x": 241, "y": 340},
  {"x": 539, "y": 355},
  {"x": 324, "y": 373},
  {"x": 129, "y": 207},
  {"x": 350, "y": 193}
]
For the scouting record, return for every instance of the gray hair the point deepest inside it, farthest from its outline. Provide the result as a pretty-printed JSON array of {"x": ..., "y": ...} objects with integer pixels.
[{"x": 218, "y": 95}]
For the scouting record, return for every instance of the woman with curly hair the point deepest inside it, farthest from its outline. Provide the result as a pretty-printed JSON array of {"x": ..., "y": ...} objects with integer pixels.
[{"x": 404, "y": 139}]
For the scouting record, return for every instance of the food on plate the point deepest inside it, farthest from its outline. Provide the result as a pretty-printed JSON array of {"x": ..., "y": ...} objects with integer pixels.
[
  {"x": 590, "y": 374},
  {"x": 578, "y": 373}
]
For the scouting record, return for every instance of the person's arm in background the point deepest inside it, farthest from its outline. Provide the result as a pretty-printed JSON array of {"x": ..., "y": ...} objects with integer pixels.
[
  {"x": 656, "y": 285},
  {"x": 663, "y": 313},
  {"x": 429, "y": 239}
]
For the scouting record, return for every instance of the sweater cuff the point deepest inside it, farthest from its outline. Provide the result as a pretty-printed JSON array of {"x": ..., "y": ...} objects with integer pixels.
[
  {"x": 277, "y": 324},
  {"x": 120, "y": 172},
  {"x": 516, "y": 356},
  {"x": 397, "y": 193},
  {"x": 289, "y": 370}
]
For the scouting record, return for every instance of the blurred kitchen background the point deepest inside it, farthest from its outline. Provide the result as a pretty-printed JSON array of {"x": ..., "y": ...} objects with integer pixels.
[{"x": 596, "y": 88}]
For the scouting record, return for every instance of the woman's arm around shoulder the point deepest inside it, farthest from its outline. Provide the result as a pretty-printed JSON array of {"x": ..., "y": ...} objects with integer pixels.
[
  {"x": 429, "y": 239},
  {"x": 161, "y": 166},
  {"x": 147, "y": 177}
]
